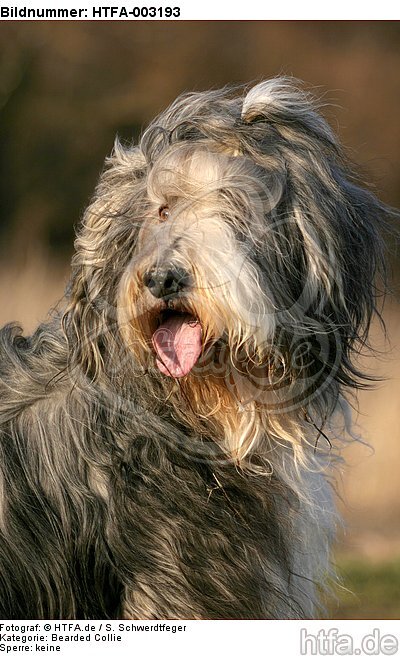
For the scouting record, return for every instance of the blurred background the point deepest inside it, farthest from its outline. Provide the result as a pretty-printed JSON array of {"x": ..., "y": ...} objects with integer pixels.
[{"x": 66, "y": 89}]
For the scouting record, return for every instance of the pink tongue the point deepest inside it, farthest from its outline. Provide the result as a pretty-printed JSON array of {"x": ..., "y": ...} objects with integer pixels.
[{"x": 177, "y": 343}]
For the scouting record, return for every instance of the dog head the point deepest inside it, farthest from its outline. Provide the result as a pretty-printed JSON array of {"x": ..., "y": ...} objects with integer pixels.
[{"x": 230, "y": 258}]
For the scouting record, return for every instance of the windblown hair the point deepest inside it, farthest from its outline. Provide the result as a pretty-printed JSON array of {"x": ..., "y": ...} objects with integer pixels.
[{"x": 133, "y": 489}]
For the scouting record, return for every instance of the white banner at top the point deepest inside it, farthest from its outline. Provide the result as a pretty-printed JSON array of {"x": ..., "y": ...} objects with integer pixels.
[{"x": 167, "y": 10}]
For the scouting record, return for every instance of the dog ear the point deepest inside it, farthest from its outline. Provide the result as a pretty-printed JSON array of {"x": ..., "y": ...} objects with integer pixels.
[
  {"x": 103, "y": 246},
  {"x": 325, "y": 248}
]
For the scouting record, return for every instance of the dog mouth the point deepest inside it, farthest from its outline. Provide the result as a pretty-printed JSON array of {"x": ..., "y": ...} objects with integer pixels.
[{"x": 177, "y": 342}]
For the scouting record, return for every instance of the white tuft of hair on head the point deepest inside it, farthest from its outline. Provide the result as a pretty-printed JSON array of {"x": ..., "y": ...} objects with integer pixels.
[{"x": 256, "y": 98}]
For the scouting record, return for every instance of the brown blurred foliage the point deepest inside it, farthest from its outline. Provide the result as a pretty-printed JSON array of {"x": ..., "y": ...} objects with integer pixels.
[{"x": 66, "y": 89}]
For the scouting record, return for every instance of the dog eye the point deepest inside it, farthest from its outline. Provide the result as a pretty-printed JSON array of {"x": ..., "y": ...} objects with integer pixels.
[{"x": 163, "y": 212}]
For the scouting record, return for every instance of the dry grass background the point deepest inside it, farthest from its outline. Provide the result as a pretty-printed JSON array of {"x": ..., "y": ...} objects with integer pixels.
[
  {"x": 66, "y": 89},
  {"x": 371, "y": 481},
  {"x": 29, "y": 291}
]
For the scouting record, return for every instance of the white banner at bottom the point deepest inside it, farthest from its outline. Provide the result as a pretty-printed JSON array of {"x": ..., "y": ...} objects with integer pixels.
[{"x": 207, "y": 637}]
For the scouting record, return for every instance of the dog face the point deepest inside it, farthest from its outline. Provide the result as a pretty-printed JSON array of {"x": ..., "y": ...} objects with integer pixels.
[
  {"x": 193, "y": 271},
  {"x": 231, "y": 258}
]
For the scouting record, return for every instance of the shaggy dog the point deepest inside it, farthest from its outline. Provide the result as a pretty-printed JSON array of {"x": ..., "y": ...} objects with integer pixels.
[{"x": 166, "y": 443}]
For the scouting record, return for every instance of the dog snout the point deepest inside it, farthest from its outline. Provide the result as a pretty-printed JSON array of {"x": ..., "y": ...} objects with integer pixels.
[{"x": 166, "y": 282}]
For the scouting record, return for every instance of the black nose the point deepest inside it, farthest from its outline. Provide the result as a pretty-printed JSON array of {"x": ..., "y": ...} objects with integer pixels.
[{"x": 166, "y": 282}]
